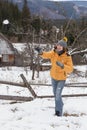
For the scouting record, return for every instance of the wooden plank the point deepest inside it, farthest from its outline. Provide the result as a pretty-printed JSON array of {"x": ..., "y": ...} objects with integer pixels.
[
  {"x": 34, "y": 84},
  {"x": 28, "y": 86},
  {"x": 21, "y": 98},
  {"x": 17, "y": 98},
  {"x": 12, "y": 83},
  {"x": 70, "y": 95}
]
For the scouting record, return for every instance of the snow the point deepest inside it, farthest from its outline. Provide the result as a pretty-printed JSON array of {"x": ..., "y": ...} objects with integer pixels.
[
  {"x": 6, "y": 21},
  {"x": 4, "y": 48},
  {"x": 39, "y": 113},
  {"x": 19, "y": 46}
]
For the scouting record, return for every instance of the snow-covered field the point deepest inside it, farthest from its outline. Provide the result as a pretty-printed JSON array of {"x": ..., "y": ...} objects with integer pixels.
[{"x": 39, "y": 113}]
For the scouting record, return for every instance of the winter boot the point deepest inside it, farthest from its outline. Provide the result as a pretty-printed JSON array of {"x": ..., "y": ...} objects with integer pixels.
[{"x": 57, "y": 113}]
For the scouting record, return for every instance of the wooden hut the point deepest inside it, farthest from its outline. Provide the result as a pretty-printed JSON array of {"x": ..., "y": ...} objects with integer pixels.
[{"x": 8, "y": 54}]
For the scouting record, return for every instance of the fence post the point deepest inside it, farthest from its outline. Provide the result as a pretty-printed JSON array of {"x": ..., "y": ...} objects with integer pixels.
[{"x": 28, "y": 86}]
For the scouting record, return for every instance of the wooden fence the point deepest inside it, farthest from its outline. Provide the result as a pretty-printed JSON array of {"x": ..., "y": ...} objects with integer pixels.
[{"x": 27, "y": 85}]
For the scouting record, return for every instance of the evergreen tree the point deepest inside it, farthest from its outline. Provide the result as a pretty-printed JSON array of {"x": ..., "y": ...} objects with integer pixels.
[
  {"x": 10, "y": 11},
  {"x": 26, "y": 16},
  {"x": 36, "y": 24}
]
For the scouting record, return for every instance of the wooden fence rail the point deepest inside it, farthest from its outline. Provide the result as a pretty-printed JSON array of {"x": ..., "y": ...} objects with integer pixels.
[
  {"x": 17, "y": 98},
  {"x": 69, "y": 95},
  {"x": 28, "y": 86},
  {"x": 34, "y": 84}
]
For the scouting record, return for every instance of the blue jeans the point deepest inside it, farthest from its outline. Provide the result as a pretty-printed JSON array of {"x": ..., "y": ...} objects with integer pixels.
[{"x": 58, "y": 86}]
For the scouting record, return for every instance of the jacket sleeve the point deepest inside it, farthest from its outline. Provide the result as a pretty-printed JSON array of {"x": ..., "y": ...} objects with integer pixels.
[
  {"x": 68, "y": 67},
  {"x": 47, "y": 55}
]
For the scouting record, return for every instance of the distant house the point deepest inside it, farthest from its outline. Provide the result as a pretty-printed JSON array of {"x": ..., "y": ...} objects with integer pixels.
[{"x": 8, "y": 54}]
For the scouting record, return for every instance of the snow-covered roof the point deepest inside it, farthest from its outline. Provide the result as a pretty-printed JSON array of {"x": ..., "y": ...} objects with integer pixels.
[
  {"x": 5, "y": 45},
  {"x": 5, "y": 48},
  {"x": 19, "y": 46}
]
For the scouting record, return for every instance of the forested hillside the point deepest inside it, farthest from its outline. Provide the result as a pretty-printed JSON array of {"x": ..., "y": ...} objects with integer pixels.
[{"x": 25, "y": 26}]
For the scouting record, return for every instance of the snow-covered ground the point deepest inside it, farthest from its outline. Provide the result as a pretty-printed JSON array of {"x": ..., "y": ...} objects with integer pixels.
[{"x": 39, "y": 113}]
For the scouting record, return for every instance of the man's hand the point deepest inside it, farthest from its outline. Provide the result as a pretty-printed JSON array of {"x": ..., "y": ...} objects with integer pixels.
[
  {"x": 39, "y": 50},
  {"x": 60, "y": 64}
]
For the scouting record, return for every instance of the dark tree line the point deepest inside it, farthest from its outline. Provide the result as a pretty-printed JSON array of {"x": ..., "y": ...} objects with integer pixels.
[
  {"x": 9, "y": 11},
  {"x": 32, "y": 28},
  {"x": 21, "y": 22}
]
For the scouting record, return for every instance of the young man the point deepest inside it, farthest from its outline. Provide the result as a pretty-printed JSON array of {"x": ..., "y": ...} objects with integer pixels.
[{"x": 62, "y": 65}]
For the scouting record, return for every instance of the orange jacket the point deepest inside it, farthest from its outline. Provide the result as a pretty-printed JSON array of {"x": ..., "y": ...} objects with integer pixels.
[{"x": 56, "y": 71}]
